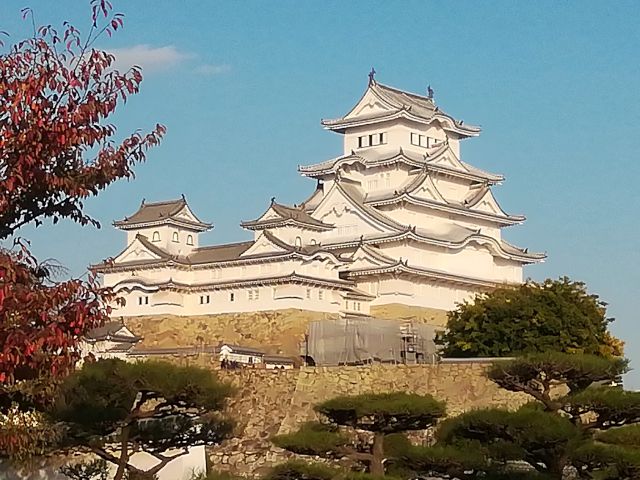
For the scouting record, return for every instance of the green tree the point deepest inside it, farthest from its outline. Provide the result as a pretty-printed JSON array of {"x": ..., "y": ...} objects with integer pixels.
[
  {"x": 578, "y": 419},
  {"x": 383, "y": 415},
  {"x": 555, "y": 315},
  {"x": 111, "y": 408}
]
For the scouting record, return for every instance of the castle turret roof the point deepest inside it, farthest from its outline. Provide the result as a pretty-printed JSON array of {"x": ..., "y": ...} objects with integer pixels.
[
  {"x": 156, "y": 213},
  {"x": 284, "y": 214},
  {"x": 399, "y": 103}
]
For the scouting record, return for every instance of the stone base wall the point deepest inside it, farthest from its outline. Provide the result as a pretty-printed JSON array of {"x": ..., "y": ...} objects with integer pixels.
[
  {"x": 268, "y": 403},
  {"x": 276, "y": 332}
]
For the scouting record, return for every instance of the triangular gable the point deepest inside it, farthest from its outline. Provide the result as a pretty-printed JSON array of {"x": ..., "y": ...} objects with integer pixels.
[
  {"x": 427, "y": 190},
  {"x": 446, "y": 158},
  {"x": 338, "y": 209},
  {"x": 488, "y": 204},
  {"x": 186, "y": 214},
  {"x": 124, "y": 332},
  {"x": 262, "y": 245},
  {"x": 269, "y": 215},
  {"x": 366, "y": 257},
  {"x": 137, "y": 251},
  {"x": 370, "y": 104}
]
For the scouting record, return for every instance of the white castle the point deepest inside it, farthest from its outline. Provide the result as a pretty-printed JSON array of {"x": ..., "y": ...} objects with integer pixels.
[{"x": 398, "y": 218}]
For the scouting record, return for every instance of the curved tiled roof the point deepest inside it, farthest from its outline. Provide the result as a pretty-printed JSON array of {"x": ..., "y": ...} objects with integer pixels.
[
  {"x": 388, "y": 156},
  {"x": 157, "y": 212},
  {"x": 219, "y": 253},
  {"x": 296, "y": 215},
  {"x": 401, "y": 103}
]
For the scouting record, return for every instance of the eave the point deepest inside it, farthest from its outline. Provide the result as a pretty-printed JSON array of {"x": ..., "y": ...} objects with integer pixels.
[
  {"x": 283, "y": 222},
  {"x": 195, "y": 227},
  {"x": 182, "y": 264},
  {"x": 507, "y": 220},
  {"x": 225, "y": 285},
  {"x": 340, "y": 125},
  {"x": 403, "y": 268},
  {"x": 329, "y": 168},
  {"x": 411, "y": 234}
]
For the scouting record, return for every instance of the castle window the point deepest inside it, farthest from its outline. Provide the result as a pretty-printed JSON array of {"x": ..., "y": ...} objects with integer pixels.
[
  {"x": 313, "y": 241},
  {"x": 205, "y": 299},
  {"x": 156, "y": 237},
  {"x": 253, "y": 294},
  {"x": 189, "y": 239},
  {"x": 308, "y": 293},
  {"x": 175, "y": 237},
  {"x": 232, "y": 297},
  {"x": 320, "y": 294},
  {"x": 298, "y": 242},
  {"x": 372, "y": 140},
  {"x": 423, "y": 140},
  {"x": 143, "y": 300}
]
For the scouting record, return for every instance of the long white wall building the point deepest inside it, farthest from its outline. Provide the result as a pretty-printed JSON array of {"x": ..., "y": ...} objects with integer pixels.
[{"x": 398, "y": 217}]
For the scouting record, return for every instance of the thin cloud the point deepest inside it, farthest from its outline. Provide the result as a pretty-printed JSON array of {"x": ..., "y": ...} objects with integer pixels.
[
  {"x": 210, "y": 70},
  {"x": 151, "y": 59}
]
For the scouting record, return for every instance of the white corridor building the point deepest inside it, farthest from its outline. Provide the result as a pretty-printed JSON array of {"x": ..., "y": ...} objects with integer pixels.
[{"x": 398, "y": 217}]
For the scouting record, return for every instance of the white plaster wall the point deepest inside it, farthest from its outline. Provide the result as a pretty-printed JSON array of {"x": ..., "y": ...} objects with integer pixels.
[
  {"x": 453, "y": 189},
  {"x": 166, "y": 238},
  {"x": 421, "y": 294},
  {"x": 277, "y": 297},
  {"x": 473, "y": 260},
  {"x": 398, "y": 135},
  {"x": 437, "y": 220}
]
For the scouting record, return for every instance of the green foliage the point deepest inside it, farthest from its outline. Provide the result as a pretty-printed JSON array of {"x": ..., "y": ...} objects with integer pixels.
[
  {"x": 100, "y": 396},
  {"x": 444, "y": 459},
  {"x": 612, "y": 406},
  {"x": 383, "y": 412},
  {"x": 154, "y": 406},
  {"x": 527, "y": 434},
  {"x": 94, "y": 470},
  {"x": 396, "y": 444},
  {"x": 214, "y": 476},
  {"x": 556, "y": 315},
  {"x": 628, "y": 436},
  {"x": 609, "y": 461},
  {"x": 300, "y": 470},
  {"x": 312, "y": 438},
  {"x": 537, "y": 373}
]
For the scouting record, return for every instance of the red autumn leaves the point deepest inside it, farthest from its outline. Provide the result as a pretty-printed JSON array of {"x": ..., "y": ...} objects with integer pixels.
[{"x": 57, "y": 149}]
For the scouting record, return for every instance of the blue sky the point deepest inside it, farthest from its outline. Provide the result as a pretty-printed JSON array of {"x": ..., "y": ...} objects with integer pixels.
[{"x": 242, "y": 86}]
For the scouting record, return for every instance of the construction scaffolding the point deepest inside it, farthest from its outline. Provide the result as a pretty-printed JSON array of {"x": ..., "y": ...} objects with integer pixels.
[{"x": 358, "y": 341}]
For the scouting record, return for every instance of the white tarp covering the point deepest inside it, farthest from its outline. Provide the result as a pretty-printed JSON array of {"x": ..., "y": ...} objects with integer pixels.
[{"x": 351, "y": 341}]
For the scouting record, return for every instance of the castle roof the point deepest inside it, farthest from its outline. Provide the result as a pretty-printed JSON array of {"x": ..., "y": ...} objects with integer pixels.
[
  {"x": 467, "y": 206},
  {"x": 114, "y": 331},
  {"x": 158, "y": 213},
  {"x": 219, "y": 253},
  {"x": 396, "y": 103},
  {"x": 280, "y": 215},
  {"x": 294, "y": 277},
  {"x": 440, "y": 159}
]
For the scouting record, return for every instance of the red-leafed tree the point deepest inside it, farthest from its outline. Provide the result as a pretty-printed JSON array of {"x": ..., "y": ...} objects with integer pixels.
[{"x": 57, "y": 148}]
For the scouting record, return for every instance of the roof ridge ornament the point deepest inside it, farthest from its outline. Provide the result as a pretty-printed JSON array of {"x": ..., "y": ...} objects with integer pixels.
[
  {"x": 430, "y": 92},
  {"x": 372, "y": 76},
  {"x": 273, "y": 200}
]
